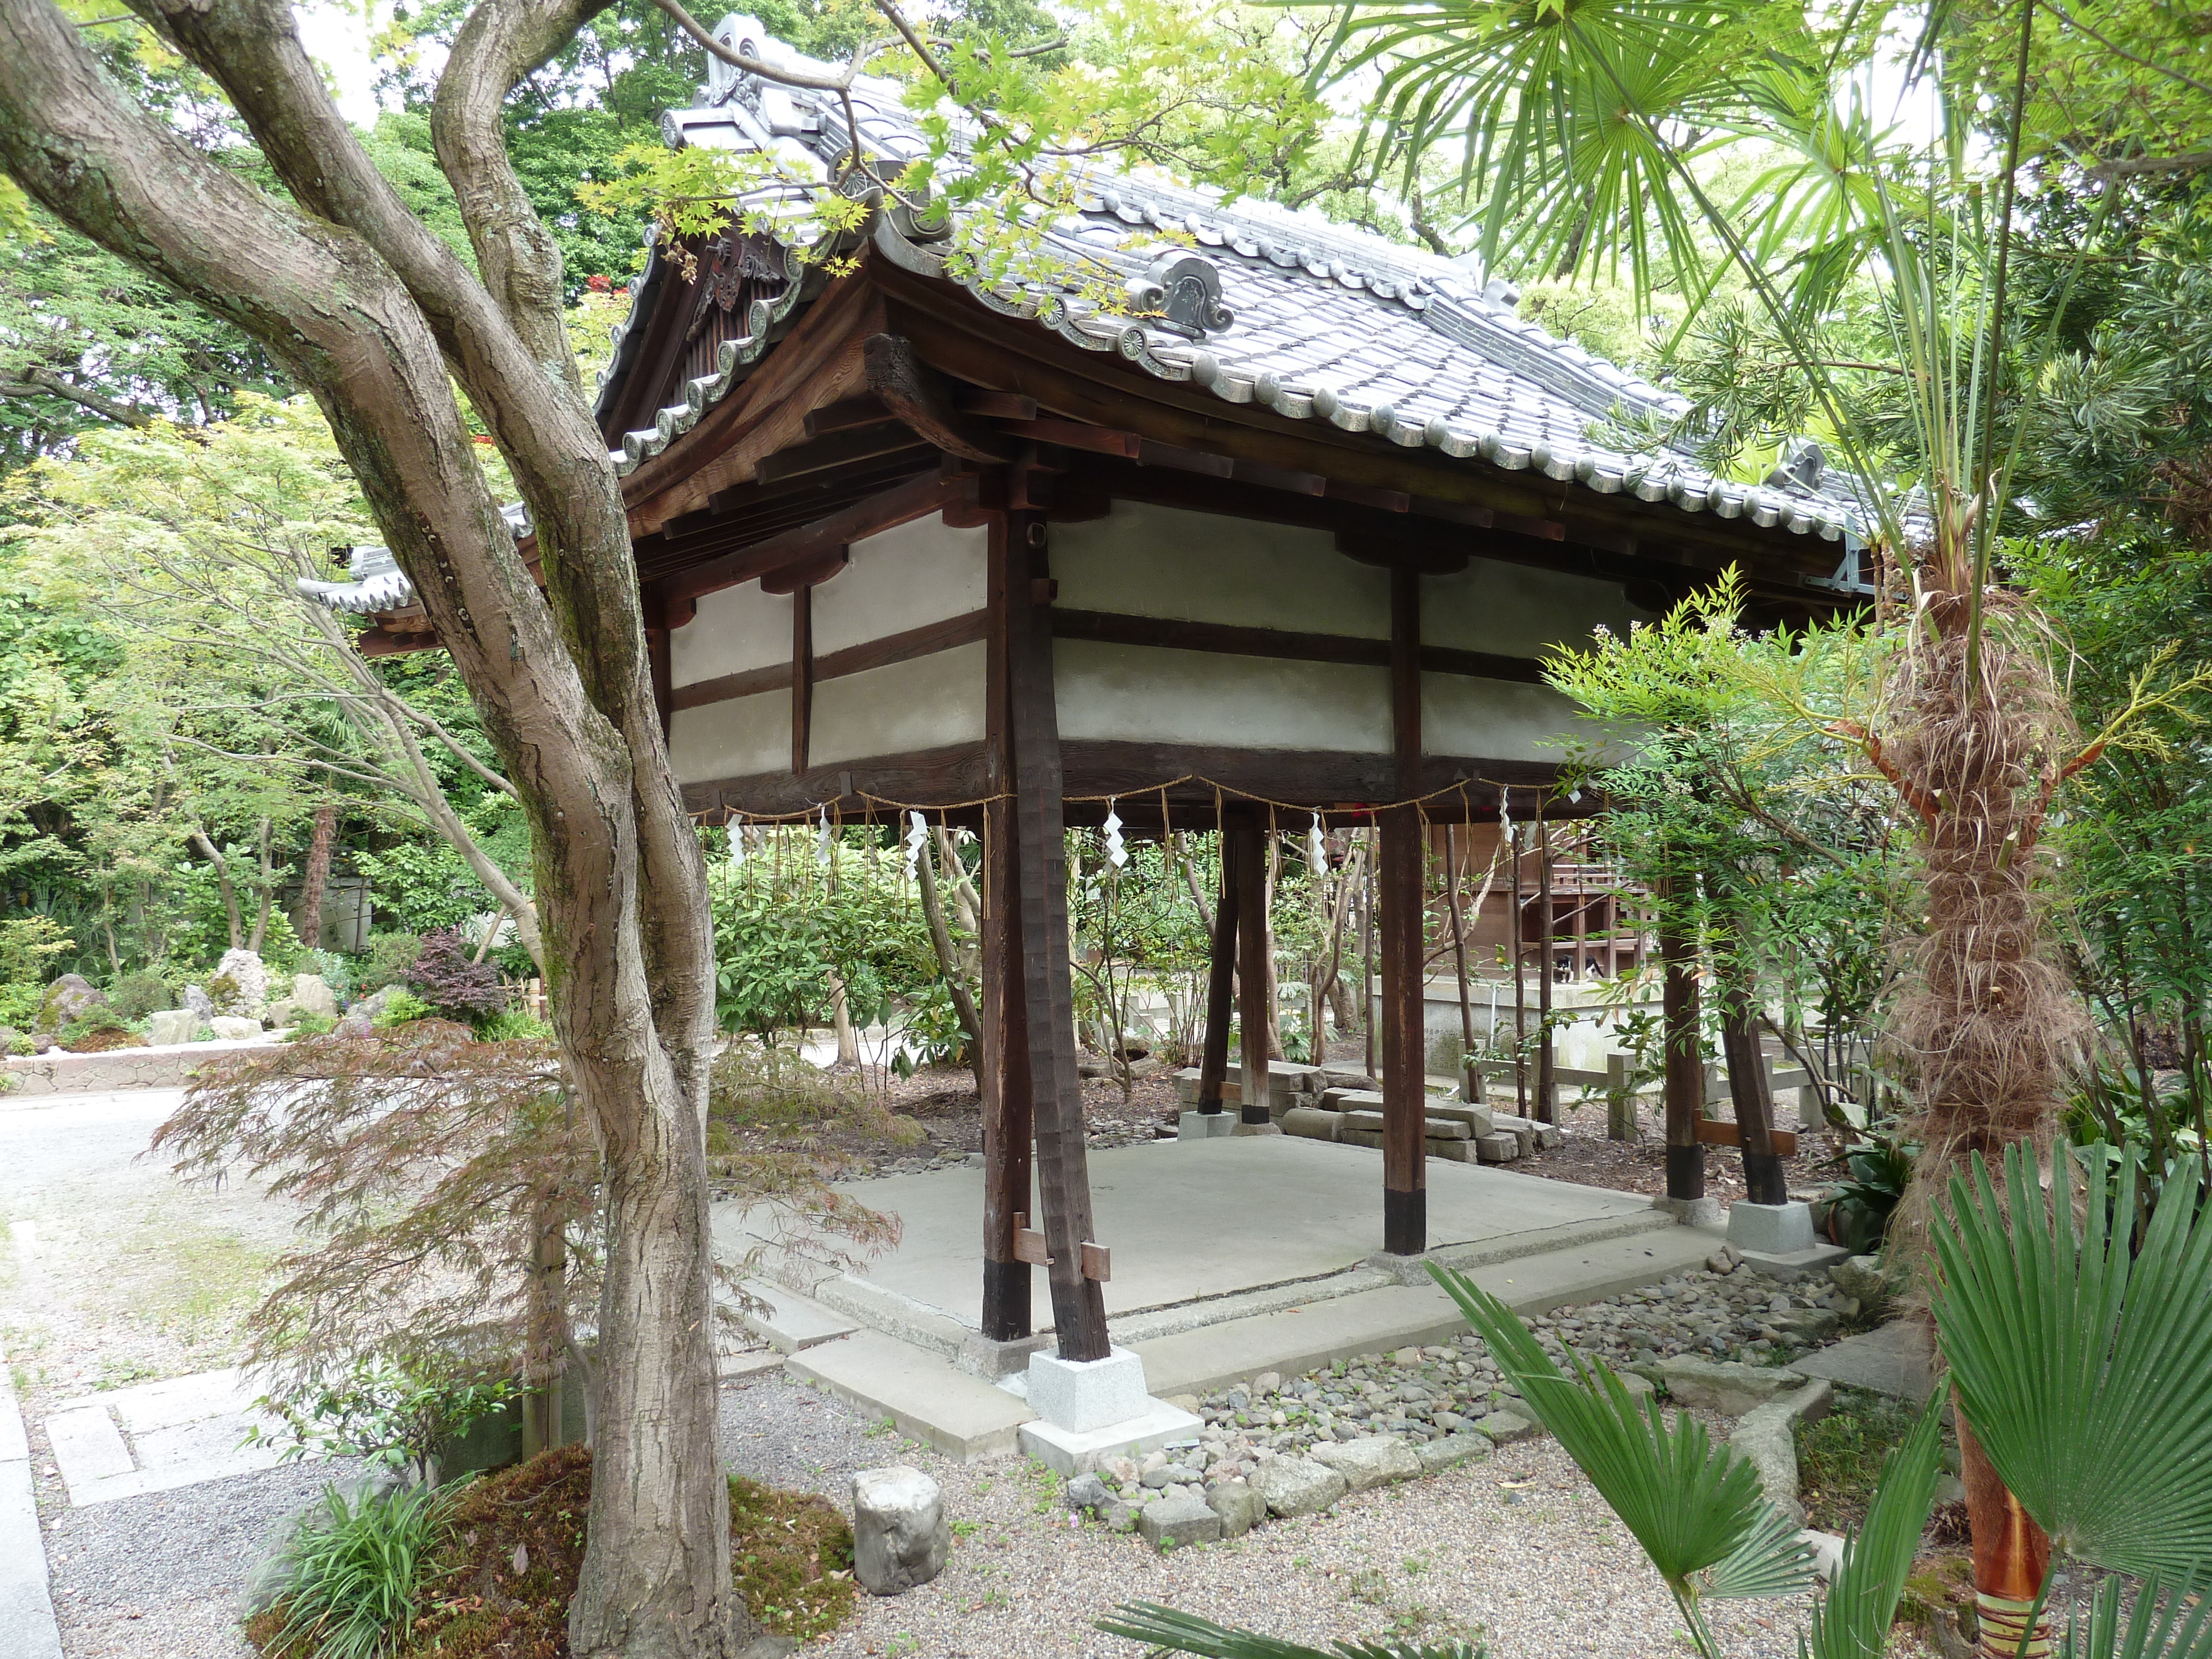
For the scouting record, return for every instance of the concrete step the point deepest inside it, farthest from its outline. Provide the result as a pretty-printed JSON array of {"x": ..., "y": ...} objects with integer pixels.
[
  {"x": 927, "y": 1399},
  {"x": 790, "y": 1322},
  {"x": 1412, "y": 1316}
]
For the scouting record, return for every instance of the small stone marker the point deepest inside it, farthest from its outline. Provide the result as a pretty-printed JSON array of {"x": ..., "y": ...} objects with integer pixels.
[
  {"x": 1240, "y": 1508},
  {"x": 899, "y": 1536}
]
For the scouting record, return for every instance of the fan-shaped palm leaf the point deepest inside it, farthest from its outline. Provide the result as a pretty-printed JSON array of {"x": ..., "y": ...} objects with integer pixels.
[
  {"x": 2084, "y": 1371},
  {"x": 1185, "y": 1632},
  {"x": 1853, "y": 1622},
  {"x": 2160, "y": 1625},
  {"x": 1696, "y": 1509}
]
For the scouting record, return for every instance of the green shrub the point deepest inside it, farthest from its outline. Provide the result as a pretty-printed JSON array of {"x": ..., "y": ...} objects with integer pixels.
[
  {"x": 20, "y": 1045},
  {"x": 356, "y": 1570},
  {"x": 513, "y": 1026},
  {"x": 94, "y": 1020},
  {"x": 404, "y": 1006},
  {"x": 389, "y": 958},
  {"x": 1839, "y": 1458},
  {"x": 28, "y": 945},
  {"x": 19, "y": 1004},
  {"x": 137, "y": 995},
  {"x": 307, "y": 1023}
]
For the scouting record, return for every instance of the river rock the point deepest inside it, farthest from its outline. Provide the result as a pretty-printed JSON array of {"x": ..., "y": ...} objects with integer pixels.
[
  {"x": 1168, "y": 1522},
  {"x": 1373, "y": 1460},
  {"x": 1723, "y": 1385},
  {"x": 1240, "y": 1508},
  {"x": 311, "y": 995},
  {"x": 900, "y": 1534},
  {"x": 1296, "y": 1486}
]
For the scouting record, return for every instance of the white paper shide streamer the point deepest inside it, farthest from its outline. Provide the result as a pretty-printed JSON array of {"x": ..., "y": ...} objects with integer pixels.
[
  {"x": 1117, "y": 854},
  {"x": 822, "y": 842},
  {"x": 736, "y": 845},
  {"x": 917, "y": 837},
  {"x": 1316, "y": 848}
]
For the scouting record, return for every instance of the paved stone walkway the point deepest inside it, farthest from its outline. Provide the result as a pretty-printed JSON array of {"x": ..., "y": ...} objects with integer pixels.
[
  {"x": 157, "y": 1436},
  {"x": 27, "y": 1630}
]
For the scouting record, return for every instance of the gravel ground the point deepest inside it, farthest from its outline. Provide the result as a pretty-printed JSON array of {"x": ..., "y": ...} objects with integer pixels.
[
  {"x": 160, "y": 1575},
  {"x": 1516, "y": 1550}
]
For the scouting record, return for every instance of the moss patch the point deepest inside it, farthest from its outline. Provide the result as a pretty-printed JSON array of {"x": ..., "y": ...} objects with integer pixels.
[
  {"x": 1839, "y": 1458},
  {"x": 791, "y": 1559}
]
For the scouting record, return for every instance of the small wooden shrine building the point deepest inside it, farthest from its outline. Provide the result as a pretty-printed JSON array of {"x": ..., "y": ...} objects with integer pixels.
[{"x": 1288, "y": 528}]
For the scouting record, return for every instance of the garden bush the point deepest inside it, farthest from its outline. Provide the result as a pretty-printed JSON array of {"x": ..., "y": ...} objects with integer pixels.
[
  {"x": 387, "y": 960},
  {"x": 134, "y": 996},
  {"x": 357, "y": 1573},
  {"x": 444, "y": 976}
]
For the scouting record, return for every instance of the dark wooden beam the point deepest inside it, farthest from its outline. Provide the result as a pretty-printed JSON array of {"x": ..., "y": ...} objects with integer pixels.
[
  {"x": 1056, "y": 1090},
  {"x": 1220, "y": 985},
  {"x": 1008, "y": 1113},
  {"x": 1764, "y": 1179},
  {"x": 1005, "y": 405},
  {"x": 807, "y": 572},
  {"x": 917, "y": 394},
  {"x": 1401, "y": 877},
  {"x": 923, "y": 641},
  {"x": 839, "y": 449},
  {"x": 1685, "y": 1087},
  {"x": 916, "y": 498},
  {"x": 1171, "y": 633},
  {"x": 802, "y": 675},
  {"x": 1252, "y": 975},
  {"x": 847, "y": 415}
]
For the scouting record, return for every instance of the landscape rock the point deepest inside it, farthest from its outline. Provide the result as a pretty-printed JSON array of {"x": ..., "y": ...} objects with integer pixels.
[
  {"x": 1119, "y": 1515},
  {"x": 353, "y": 1025},
  {"x": 172, "y": 1025},
  {"x": 311, "y": 994},
  {"x": 900, "y": 1534},
  {"x": 1504, "y": 1428},
  {"x": 1168, "y": 1523},
  {"x": 1240, "y": 1508},
  {"x": 281, "y": 1014},
  {"x": 240, "y": 984},
  {"x": 231, "y": 1028},
  {"x": 1296, "y": 1486},
  {"x": 1861, "y": 1277},
  {"x": 1827, "y": 1553},
  {"x": 1374, "y": 1460},
  {"x": 197, "y": 1001},
  {"x": 1086, "y": 1491},
  {"x": 375, "y": 1003},
  {"x": 1766, "y": 1438},
  {"x": 1449, "y": 1452},
  {"x": 69, "y": 1000},
  {"x": 1724, "y": 1386}
]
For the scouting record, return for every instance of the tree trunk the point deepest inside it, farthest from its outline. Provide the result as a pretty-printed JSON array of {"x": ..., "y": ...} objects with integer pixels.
[
  {"x": 1275, "y": 1021},
  {"x": 372, "y": 312},
  {"x": 267, "y": 883},
  {"x": 948, "y": 964},
  {"x": 222, "y": 881},
  {"x": 1679, "y": 1023},
  {"x": 1764, "y": 1179},
  {"x": 316, "y": 879},
  {"x": 544, "y": 1321},
  {"x": 2010, "y": 1557},
  {"x": 840, "y": 1017}
]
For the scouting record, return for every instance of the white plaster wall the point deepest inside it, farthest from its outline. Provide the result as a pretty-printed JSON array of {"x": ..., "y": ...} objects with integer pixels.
[
  {"x": 1145, "y": 560},
  {"x": 737, "y": 629},
  {"x": 1143, "y": 694},
  {"x": 905, "y": 577},
  {"x": 1496, "y": 720},
  {"x": 732, "y": 739},
  {"x": 927, "y": 704},
  {"x": 1518, "y": 609}
]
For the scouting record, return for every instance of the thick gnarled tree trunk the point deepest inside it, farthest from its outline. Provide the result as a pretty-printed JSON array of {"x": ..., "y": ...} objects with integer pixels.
[{"x": 372, "y": 312}]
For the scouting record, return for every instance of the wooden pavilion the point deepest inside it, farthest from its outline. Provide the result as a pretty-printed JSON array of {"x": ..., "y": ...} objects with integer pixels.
[{"x": 1285, "y": 530}]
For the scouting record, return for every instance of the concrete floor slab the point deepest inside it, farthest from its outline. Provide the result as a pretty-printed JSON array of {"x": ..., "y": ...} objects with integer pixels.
[
  {"x": 147, "y": 1406},
  {"x": 790, "y": 1322},
  {"x": 1191, "y": 1220},
  {"x": 87, "y": 1447}
]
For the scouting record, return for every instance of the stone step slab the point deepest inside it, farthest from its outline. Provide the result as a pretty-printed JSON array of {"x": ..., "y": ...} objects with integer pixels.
[
  {"x": 1500, "y": 1147},
  {"x": 1434, "y": 1128}
]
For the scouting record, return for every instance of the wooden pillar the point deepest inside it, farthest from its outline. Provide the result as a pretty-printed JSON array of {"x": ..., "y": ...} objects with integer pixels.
[
  {"x": 1078, "y": 1307},
  {"x": 1221, "y": 983},
  {"x": 1007, "y": 1117},
  {"x": 1547, "y": 1086},
  {"x": 1762, "y": 1178},
  {"x": 1679, "y": 1022},
  {"x": 1401, "y": 877},
  {"x": 1253, "y": 979},
  {"x": 802, "y": 675}
]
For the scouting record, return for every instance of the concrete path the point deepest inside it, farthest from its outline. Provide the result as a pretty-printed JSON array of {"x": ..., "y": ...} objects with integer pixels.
[
  {"x": 157, "y": 1437},
  {"x": 27, "y": 1630}
]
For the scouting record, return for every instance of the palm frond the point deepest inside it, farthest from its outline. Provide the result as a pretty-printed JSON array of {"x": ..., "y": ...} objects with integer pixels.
[
  {"x": 2084, "y": 1369},
  {"x": 1690, "y": 1505},
  {"x": 2160, "y": 1624},
  {"x": 1853, "y": 1621},
  {"x": 1185, "y": 1632},
  {"x": 1773, "y": 1559}
]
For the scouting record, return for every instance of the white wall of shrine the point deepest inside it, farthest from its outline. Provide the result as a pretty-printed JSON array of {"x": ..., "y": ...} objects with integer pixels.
[
  {"x": 1168, "y": 562},
  {"x": 909, "y": 576}
]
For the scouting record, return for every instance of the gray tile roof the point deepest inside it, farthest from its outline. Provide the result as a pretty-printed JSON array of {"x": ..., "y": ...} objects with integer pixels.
[{"x": 1328, "y": 323}]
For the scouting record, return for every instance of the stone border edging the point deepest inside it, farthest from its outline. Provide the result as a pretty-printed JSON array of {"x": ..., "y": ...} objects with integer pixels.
[{"x": 27, "y": 1605}]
